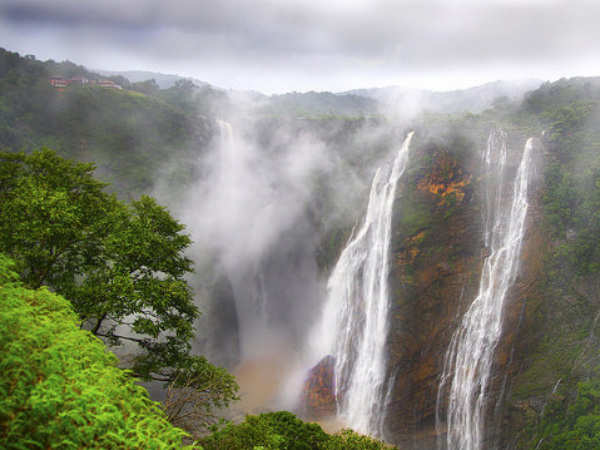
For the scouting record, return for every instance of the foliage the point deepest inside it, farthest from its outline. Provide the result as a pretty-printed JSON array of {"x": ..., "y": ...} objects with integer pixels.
[
  {"x": 573, "y": 425},
  {"x": 282, "y": 430},
  {"x": 54, "y": 215},
  {"x": 558, "y": 94},
  {"x": 252, "y": 433},
  {"x": 60, "y": 388},
  {"x": 350, "y": 440},
  {"x": 119, "y": 130},
  {"x": 572, "y": 197},
  {"x": 561, "y": 317},
  {"x": 197, "y": 389},
  {"x": 297, "y": 434},
  {"x": 191, "y": 99},
  {"x": 121, "y": 265}
]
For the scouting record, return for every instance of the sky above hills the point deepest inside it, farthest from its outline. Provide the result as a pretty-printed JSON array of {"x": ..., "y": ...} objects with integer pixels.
[{"x": 276, "y": 46}]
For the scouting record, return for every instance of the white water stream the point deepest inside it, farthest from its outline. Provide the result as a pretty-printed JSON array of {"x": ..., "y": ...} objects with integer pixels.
[
  {"x": 354, "y": 324},
  {"x": 470, "y": 355}
]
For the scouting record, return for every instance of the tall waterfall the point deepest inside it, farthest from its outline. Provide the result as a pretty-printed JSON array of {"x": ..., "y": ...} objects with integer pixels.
[
  {"x": 354, "y": 325},
  {"x": 241, "y": 247},
  {"x": 228, "y": 155},
  {"x": 469, "y": 357}
]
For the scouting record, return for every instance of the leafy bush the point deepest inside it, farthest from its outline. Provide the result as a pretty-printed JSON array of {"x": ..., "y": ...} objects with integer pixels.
[
  {"x": 60, "y": 388},
  {"x": 350, "y": 440},
  {"x": 282, "y": 430},
  {"x": 297, "y": 434}
]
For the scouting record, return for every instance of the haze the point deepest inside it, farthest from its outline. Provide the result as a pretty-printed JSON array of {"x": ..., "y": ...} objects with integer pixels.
[{"x": 293, "y": 45}]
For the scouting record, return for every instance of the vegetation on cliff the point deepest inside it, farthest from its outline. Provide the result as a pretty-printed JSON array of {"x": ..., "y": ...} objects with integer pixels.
[
  {"x": 556, "y": 393},
  {"x": 550, "y": 351},
  {"x": 130, "y": 134},
  {"x": 60, "y": 388}
]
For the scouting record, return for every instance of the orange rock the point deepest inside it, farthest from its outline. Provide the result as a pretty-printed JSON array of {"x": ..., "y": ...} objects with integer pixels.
[{"x": 319, "y": 399}]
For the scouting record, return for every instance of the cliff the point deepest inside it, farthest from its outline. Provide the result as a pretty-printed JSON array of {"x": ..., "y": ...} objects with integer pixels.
[{"x": 438, "y": 251}]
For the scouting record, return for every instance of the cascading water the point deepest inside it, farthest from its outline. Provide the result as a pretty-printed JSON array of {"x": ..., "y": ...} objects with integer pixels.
[
  {"x": 354, "y": 324},
  {"x": 469, "y": 357},
  {"x": 228, "y": 149},
  {"x": 245, "y": 273}
]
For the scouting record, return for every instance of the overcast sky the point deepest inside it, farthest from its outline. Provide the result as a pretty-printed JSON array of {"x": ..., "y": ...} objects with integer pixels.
[{"x": 276, "y": 46}]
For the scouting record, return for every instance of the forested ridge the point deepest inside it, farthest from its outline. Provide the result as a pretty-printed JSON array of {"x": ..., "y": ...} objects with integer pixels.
[{"x": 115, "y": 259}]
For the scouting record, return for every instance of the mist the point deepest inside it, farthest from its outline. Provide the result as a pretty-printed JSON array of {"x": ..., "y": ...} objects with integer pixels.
[{"x": 268, "y": 198}]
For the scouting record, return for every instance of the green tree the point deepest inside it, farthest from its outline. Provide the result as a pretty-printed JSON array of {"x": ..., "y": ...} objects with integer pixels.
[
  {"x": 148, "y": 87},
  {"x": 60, "y": 388},
  {"x": 121, "y": 265},
  {"x": 55, "y": 216}
]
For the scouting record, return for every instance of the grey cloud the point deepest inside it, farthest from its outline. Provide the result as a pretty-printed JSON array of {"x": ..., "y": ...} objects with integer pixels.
[
  {"x": 472, "y": 33},
  {"x": 351, "y": 37}
]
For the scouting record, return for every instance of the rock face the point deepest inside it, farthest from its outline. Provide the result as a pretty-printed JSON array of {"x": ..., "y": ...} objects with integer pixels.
[
  {"x": 437, "y": 253},
  {"x": 515, "y": 347},
  {"x": 319, "y": 399}
]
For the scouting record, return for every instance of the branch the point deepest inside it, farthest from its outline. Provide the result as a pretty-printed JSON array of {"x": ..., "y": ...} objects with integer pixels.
[
  {"x": 142, "y": 342},
  {"x": 98, "y": 323}
]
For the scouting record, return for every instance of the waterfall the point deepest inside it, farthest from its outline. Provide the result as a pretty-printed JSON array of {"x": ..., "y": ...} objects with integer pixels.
[
  {"x": 354, "y": 323},
  {"x": 227, "y": 153},
  {"x": 242, "y": 248},
  {"x": 470, "y": 354},
  {"x": 227, "y": 139}
]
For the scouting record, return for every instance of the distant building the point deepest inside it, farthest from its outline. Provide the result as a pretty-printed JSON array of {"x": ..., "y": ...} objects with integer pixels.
[
  {"x": 78, "y": 80},
  {"x": 58, "y": 83},
  {"x": 109, "y": 84}
]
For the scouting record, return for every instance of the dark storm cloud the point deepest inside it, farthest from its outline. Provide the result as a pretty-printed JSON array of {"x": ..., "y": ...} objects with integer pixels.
[{"x": 350, "y": 37}]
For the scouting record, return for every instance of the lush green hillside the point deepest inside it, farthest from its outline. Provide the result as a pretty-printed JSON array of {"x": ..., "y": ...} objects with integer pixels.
[
  {"x": 61, "y": 389},
  {"x": 122, "y": 267},
  {"x": 557, "y": 390}
]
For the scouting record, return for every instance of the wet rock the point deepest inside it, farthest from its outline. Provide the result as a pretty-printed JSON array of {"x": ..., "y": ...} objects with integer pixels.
[
  {"x": 319, "y": 398},
  {"x": 437, "y": 249}
]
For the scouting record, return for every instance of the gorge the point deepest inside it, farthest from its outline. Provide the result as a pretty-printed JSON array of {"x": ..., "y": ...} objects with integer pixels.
[
  {"x": 355, "y": 375},
  {"x": 465, "y": 264}
]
